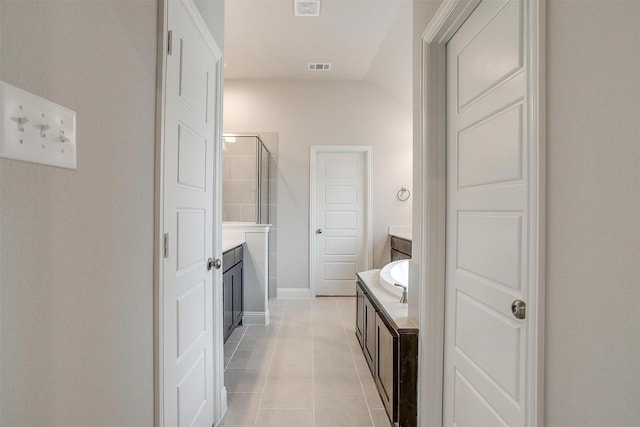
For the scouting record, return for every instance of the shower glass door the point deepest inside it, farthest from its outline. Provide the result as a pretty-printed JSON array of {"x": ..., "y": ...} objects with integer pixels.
[{"x": 246, "y": 183}]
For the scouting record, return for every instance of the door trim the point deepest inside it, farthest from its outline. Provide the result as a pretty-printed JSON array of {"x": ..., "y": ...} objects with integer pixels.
[
  {"x": 368, "y": 232},
  {"x": 429, "y": 225},
  {"x": 220, "y": 403}
]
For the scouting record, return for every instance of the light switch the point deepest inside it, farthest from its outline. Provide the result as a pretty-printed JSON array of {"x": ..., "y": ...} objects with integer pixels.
[{"x": 36, "y": 130}]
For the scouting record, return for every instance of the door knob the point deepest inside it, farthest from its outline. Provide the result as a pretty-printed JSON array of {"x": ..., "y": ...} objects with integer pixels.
[
  {"x": 319, "y": 231},
  {"x": 519, "y": 309},
  {"x": 211, "y": 264}
]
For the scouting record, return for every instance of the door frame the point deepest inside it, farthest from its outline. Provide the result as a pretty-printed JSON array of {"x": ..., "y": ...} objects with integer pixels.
[
  {"x": 220, "y": 402},
  {"x": 367, "y": 230},
  {"x": 430, "y": 216}
]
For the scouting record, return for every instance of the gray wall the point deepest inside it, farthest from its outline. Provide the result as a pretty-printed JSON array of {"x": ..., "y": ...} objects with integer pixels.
[
  {"x": 593, "y": 214},
  {"x": 213, "y": 13},
  {"x": 76, "y": 247}
]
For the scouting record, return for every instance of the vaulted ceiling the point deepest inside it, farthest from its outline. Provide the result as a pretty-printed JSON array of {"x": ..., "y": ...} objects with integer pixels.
[{"x": 363, "y": 40}]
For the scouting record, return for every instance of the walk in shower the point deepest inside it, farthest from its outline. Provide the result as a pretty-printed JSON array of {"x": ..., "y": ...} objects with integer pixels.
[
  {"x": 246, "y": 193},
  {"x": 249, "y": 186}
]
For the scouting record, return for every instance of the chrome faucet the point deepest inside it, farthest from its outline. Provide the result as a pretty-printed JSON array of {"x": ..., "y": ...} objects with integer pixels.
[{"x": 403, "y": 298}]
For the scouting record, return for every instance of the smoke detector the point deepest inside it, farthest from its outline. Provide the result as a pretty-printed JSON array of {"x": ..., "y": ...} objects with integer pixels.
[
  {"x": 306, "y": 7},
  {"x": 318, "y": 66}
]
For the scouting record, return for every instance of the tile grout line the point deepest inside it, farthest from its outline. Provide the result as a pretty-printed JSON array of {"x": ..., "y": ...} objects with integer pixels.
[
  {"x": 353, "y": 359},
  {"x": 273, "y": 352},
  {"x": 236, "y": 349}
]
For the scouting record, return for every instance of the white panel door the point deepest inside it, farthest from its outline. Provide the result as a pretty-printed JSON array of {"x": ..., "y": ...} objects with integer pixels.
[
  {"x": 188, "y": 174},
  {"x": 485, "y": 378},
  {"x": 339, "y": 221}
]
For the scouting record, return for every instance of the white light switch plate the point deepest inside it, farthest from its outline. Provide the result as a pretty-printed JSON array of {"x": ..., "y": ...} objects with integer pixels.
[{"x": 36, "y": 130}]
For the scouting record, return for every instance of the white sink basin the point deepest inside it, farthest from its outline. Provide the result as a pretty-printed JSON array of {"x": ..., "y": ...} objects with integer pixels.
[{"x": 395, "y": 272}]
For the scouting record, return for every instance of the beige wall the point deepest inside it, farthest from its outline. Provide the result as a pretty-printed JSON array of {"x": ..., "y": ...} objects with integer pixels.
[
  {"x": 306, "y": 113},
  {"x": 593, "y": 214},
  {"x": 77, "y": 246}
]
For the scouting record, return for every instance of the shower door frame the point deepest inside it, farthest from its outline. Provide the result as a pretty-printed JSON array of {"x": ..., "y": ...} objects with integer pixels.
[{"x": 259, "y": 166}]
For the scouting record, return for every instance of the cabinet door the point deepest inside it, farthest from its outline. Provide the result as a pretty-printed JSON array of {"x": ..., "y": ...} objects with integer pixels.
[
  {"x": 370, "y": 335},
  {"x": 397, "y": 255},
  {"x": 227, "y": 297},
  {"x": 386, "y": 372},
  {"x": 237, "y": 294},
  {"x": 360, "y": 315}
]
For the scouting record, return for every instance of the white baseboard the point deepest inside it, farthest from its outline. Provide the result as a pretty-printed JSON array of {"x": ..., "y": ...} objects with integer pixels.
[
  {"x": 294, "y": 293},
  {"x": 223, "y": 404},
  {"x": 255, "y": 318}
]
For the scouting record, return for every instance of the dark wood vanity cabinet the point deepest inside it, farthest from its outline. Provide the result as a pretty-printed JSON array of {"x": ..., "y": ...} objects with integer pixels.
[
  {"x": 400, "y": 248},
  {"x": 232, "y": 290},
  {"x": 392, "y": 355}
]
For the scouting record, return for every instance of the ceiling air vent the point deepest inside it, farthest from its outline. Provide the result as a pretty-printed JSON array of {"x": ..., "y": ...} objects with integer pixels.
[
  {"x": 306, "y": 7},
  {"x": 316, "y": 66}
]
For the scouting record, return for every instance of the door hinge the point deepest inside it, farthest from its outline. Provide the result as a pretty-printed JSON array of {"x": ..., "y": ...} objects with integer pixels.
[
  {"x": 170, "y": 42},
  {"x": 166, "y": 245}
]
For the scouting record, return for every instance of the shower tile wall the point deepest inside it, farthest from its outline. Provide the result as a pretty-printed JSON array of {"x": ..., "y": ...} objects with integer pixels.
[
  {"x": 239, "y": 181},
  {"x": 239, "y": 191}
]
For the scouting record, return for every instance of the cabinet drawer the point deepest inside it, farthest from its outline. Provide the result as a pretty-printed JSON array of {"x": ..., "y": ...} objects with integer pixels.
[
  {"x": 401, "y": 245},
  {"x": 238, "y": 253},
  {"x": 228, "y": 260},
  {"x": 232, "y": 257}
]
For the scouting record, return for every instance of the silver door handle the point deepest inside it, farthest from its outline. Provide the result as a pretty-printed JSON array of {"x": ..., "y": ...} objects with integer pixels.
[
  {"x": 211, "y": 264},
  {"x": 519, "y": 309},
  {"x": 319, "y": 231}
]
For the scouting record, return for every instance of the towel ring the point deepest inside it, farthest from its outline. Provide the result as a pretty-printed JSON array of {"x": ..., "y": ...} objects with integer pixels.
[{"x": 403, "y": 194}]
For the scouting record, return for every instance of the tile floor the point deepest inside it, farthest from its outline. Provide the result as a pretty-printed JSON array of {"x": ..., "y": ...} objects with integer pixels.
[{"x": 304, "y": 369}]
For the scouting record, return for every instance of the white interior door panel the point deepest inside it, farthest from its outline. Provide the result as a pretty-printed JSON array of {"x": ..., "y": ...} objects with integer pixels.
[
  {"x": 190, "y": 129},
  {"x": 339, "y": 221},
  {"x": 487, "y": 240}
]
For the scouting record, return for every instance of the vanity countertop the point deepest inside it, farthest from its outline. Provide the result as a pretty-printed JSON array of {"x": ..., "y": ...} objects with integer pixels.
[
  {"x": 228, "y": 244},
  {"x": 397, "y": 311},
  {"x": 401, "y": 231}
]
